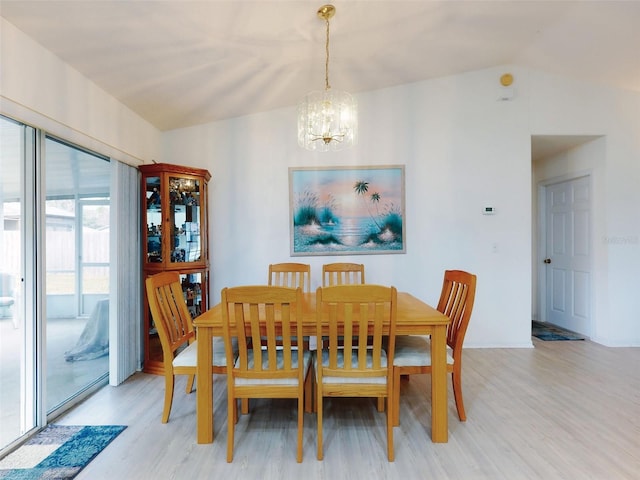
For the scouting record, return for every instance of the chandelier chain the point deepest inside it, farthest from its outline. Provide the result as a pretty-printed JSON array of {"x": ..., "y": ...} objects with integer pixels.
[{"x": 326, "y": 65}]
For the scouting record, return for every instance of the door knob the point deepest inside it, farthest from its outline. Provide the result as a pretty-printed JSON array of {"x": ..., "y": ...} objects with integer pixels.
[{"x": 547, "y": 260}]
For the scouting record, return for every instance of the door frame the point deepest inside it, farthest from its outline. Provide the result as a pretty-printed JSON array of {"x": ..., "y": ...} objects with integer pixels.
[{"x": 541, "y": 253}]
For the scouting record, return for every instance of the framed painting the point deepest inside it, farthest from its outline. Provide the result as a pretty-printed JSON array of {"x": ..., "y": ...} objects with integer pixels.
[{"x": 347, "y": 210}]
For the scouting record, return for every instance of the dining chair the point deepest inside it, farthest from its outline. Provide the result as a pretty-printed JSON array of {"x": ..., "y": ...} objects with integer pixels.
[
  {"x": 355, "y": 312},
  {"x": 174, "y": 324},
  {"x": 342, "y": 274},
  {"x": 413, "y": 352},
  {"x": 279, "y": 369},
  {"x": 291, "y": 275}
]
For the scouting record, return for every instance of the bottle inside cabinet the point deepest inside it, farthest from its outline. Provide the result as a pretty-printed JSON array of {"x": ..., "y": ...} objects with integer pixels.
[{"x": 192, "y": 289}]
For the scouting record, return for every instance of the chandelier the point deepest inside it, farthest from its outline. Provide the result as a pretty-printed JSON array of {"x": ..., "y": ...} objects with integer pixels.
[{"x": 327, "y": 120}]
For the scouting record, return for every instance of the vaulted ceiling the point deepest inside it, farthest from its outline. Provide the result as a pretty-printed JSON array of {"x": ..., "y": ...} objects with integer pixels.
[{"x": 180, "y": 63}]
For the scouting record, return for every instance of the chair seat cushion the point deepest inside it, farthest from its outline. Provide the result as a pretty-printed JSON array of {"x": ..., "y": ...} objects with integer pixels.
[
  {"x": 415, "y": 350},
  {"x": 354, "y": 361},
  {"x": 188, "y": 356},
  {"x": 280, "y": 363}
]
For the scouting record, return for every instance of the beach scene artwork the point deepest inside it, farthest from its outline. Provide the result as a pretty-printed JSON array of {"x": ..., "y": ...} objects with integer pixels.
[{"x": 347, "y": 210}]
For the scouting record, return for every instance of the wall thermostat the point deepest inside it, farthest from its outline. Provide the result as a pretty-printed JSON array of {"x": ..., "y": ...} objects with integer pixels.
[{"x": 489, "y": 211}]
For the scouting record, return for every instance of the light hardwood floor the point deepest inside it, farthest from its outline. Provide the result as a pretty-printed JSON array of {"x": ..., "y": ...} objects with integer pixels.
[{"x": 563, "y": 410}]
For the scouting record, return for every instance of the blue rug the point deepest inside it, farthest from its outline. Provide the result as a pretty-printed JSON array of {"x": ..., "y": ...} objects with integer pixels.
[
  {"x": 58, "y": 452},
  {"x": 548, "y": 332}
]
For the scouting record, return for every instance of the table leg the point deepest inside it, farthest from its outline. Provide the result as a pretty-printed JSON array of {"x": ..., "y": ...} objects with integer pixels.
[
  {"x": 204, "y": 386},
  {"x": 439, "y": 420}
]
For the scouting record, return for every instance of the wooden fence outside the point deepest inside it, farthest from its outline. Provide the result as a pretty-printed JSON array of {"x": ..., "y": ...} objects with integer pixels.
[{"x": 61, "y": 259}]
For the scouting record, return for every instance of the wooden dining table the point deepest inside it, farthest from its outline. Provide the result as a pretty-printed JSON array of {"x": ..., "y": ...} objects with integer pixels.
[{"x": 414, "y": 317}]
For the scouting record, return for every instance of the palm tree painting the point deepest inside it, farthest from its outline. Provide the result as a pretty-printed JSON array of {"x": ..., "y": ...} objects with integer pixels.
[{"x": 347, "y": 210}]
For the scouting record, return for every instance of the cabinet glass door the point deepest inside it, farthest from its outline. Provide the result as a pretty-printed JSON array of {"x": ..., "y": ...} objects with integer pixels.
[
  {"x": 154, "y": 220},
  {"x": 184, "y": 201}
]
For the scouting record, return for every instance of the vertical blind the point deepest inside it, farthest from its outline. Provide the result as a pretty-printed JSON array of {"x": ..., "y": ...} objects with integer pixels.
[{"x": 125, "y": 313}]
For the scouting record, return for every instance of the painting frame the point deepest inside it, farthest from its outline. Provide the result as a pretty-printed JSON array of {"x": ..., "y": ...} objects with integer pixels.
[{"x": 347, "y": 210}]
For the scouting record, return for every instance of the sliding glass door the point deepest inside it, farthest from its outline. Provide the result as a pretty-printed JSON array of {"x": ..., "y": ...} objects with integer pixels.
[
  {"x": 77, "y": 271},
  {"x": 17, "y": 333},
  {"x": 54, "y": 276}
]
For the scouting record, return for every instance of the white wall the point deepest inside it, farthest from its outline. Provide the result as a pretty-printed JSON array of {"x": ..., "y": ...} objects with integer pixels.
[
  {"x": 37, "y": 88},
  {"x": 576, "y": 108},
  {"x": 462, "y": 149}
]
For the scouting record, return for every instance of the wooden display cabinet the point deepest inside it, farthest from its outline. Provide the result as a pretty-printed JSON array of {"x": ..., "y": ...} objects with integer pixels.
[{"x": 174, "y": 238}]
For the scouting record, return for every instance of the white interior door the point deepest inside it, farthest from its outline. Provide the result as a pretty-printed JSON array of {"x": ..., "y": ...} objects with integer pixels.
[{"x": 568, "y": 250}]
